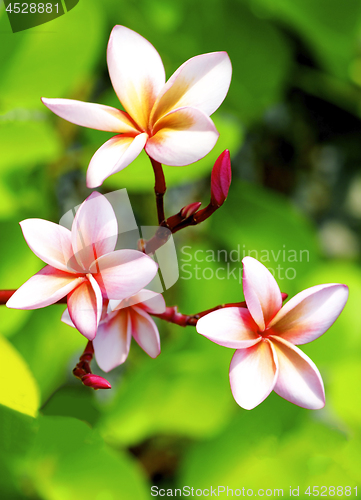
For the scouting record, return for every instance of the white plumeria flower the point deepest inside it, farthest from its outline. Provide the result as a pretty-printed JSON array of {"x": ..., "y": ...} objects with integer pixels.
[
  {"x": 82, "y": 264},
  {"x": 264, "y": 335},
  {"x": 122, "y": 320},
  {"x": 170, "y": 120}
]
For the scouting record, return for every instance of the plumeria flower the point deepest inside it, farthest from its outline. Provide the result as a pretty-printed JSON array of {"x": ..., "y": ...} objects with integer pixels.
[
  {"x": 170, "y": 120},
  {"x": 265, "y": 335},
  {"x": 121, "y": 320},
  {"x": 82, "y": 264}
]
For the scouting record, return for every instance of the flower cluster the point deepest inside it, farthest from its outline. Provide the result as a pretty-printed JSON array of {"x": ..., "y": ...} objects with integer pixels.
[{"x": 104, "y": 287}]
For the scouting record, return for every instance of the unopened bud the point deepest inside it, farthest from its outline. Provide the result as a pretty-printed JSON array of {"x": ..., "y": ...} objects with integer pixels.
[
  {"x": 190, "y": 209},
  {"x": 221, "y": 178},
  {"x": 95, "y": 381}
]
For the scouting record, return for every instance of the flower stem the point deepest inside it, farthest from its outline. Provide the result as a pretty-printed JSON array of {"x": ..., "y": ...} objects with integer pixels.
[{"x": 159, "y": 189}]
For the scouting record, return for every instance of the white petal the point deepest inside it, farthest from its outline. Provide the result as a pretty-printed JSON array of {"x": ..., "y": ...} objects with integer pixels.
[
  {"x": 253, "y": 374},
  {"x": 112, "y": 342},
  {"x": 94, "y": 231},
  {"x": 230, "y": 327},
  {"x": 113, "y": 156},
  {"x": 262, "y": 294},
  {"x": 310, "y": 313},
  {"x": 201, "y": 82},
  {"x": 145, "y": 332},
  {"x": 151, "y": 302},
  {"x": 51, "y": 243},
  {"x": 65, "y": 318},
  {"x": 91, "y": 115},
  {"x": 136, "y": 71},
  {"x": 123, "y": 273},
  {"x": 44, "y": 288},
  {"x": 182, "y": 137},
  {"x": 299, "y": 380},
  {"x": 85, "y": 307}
]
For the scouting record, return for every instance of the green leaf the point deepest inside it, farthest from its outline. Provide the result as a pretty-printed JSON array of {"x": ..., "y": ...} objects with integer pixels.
[
  {"x": 19, "y": 390},
  {"x": 184, "y": 392},
  {"x": 330, "y": 28},
  {"x": 44, "y": 63},
  {"x": 70, "y": 461}
]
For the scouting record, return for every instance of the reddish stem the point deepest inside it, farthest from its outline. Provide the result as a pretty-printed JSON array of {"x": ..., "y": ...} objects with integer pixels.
[
  {"x": 159, "y": 189},
  {"x": 83, "y": 372}
]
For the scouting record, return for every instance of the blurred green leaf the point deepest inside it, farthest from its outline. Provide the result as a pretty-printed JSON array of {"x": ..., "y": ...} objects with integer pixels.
[
  {"x": 185, "y": 392},
  {"x": 18, "y": 389},
  {"x": 70, "y": 461},
  {"x": 45, "y": 64},
  {"x": 48, "y": 345},
  {"x": 17, "y": 432},
  {"x": 330, "y": 28},
  {"x": 258, "y": 452},
  {"x": 266, "y": 226}
]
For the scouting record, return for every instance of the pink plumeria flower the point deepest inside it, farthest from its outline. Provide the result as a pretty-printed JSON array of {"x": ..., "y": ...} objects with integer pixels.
[
  {"x": 264, "y": 335},
  {"x": 170, "y": 120},
  {"x": 82, "y": 264},
  {"x": 122, "y": 320}
]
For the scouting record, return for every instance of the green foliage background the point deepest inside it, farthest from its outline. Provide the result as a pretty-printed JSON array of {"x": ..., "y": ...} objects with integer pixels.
[{"x": 292, "y": 121}]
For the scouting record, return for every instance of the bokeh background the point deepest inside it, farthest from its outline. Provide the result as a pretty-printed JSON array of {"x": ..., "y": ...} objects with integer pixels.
[{"x": 292, "y": 121}]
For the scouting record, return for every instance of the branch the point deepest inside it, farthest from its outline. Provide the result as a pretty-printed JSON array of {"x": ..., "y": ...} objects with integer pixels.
[{"x": 159, "y": 189}]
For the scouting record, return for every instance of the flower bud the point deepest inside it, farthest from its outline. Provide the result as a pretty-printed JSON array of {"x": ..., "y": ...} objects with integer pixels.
[
  {"x": 190, "y": 209},
  {"x": 95, "y": 381},
  {"x": 221, "y": 179}
]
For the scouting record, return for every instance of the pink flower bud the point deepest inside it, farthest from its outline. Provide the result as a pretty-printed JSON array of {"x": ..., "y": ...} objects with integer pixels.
[
  {"x": 190, "y": 209},
  {"x": 221, "y": 178},
  {"x": 95, "y": 381}
]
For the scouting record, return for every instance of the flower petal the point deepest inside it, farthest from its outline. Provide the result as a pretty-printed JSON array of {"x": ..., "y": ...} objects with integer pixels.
[
  {"x": 51, "y": 243},
  {"x": 113, "y": 156},
  {"x": 148, "y": 300},
  {"x": 202, "y": 82},
  {"x": 112, "y": 342},
  {"x": 123, "y": 273},
  {"x": 145, "y": 332},
  {"x": 310, "y": 313},
  {"x": 44, "y": 288},
  {"x": 136, "y": 71},
  {"x": 94, "y": 231},
  {"x": 65, "y": 318},
  {"x": 87, "y": 114},
  {"x": 299, "y": 380},
  {"x": 85, "y": 307},
  {"x": 252, "y": 374},
  {"x": 262, "y": 294},
  {"x": 182, "y": 137},
  {"x": 230, "y": 327}
]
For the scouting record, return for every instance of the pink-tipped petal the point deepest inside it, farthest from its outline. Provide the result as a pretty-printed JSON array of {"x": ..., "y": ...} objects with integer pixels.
[
  {"x": 113, "y": 156},
  {"x": 299, "y": 380},
  {"x": 230, "y": 327},
  {"x": 85, "y": 307},
  {"x": 65, "y": 318},
  {"x": 148, "y": 300},
  {"x": 310, "y": 313},
  {"x": 202, "y": 82},
  {"x": 145, "y": 332},
  {"x": 51, "y": 243},
  {"x": 44, "y": 288},
  {"x": 190, "y": 209},
  {"x": 91, "y": 115},
  {"x": 253, "y": 374},
  {"x": 112, "y": 342},
  {"x": 182, "y": 137},
  {"x": 262, "y": 294},
  {"x": 221, "y": 178},
  {"x": 123, "y": 273},
  {"x": 94, "y": 231},
  {"x": 136, "y": 71}
]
